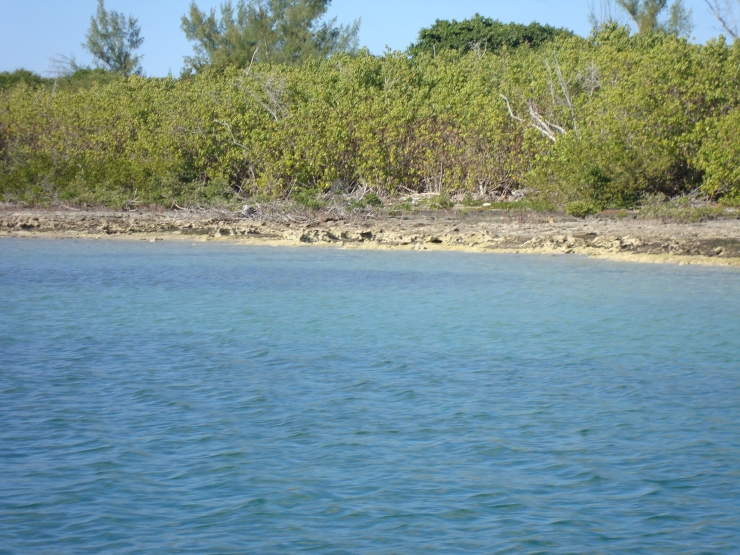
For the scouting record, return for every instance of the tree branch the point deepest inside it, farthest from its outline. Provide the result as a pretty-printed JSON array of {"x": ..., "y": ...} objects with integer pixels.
[
  {"x": 723, "y": 16},
  {"x": 511, "y": 113}
]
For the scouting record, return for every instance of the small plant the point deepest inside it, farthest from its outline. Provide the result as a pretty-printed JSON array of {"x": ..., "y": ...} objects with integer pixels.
[
  {"x": 372, "y": 199},
  {"x": 399, "y": 209},
  {"x": 680, "y": 209},
  {"x": 441, "y": 202},
  {"x": 310, "y": 198},
  {"x": 537, "y": 205},
  {"x": 580, "y": 209},
  {"x": 470, "y": 201}
]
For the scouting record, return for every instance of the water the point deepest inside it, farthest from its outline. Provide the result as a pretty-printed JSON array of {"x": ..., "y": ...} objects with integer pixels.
[{"x": 177, "y": 398}]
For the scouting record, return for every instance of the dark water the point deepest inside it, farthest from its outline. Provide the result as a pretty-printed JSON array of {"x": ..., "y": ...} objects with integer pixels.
[{"x": 161, "y": 398}]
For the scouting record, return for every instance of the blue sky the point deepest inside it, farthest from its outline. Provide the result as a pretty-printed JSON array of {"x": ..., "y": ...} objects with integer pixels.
[{"x": 33, "y": 31}]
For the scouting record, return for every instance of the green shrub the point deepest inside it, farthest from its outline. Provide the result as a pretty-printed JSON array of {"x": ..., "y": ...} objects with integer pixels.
[
  {"x": 599, "y": 122},
  {"x": 471, "y": 202},
  {"x": 484, "y": 33},
  {"x": 719, "y": 158},
  {"x": 440, "y": 202},
  {"x": 310, "y": 198},
  {"x": 637, "y": 132},
  {"x": 10, "y": 79},
  {"x": 680, "y": 209},
  {"x": 372, "y": 199},
  {"x": 581, "y": 208},
  {"x": 400, "y": 208}
]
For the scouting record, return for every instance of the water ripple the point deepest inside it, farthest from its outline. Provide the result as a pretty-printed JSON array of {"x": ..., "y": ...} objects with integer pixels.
[{"x": 223, "y": 399}]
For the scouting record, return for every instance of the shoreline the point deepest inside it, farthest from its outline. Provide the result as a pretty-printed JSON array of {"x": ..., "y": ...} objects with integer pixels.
[{"x": 715, "y": 242}]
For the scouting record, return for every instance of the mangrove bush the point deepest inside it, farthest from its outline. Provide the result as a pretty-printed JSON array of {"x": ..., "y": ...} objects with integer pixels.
[{"x": 599, "y": 122}]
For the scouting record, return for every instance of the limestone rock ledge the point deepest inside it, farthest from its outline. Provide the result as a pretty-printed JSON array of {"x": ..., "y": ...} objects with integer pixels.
[{"x": 714, "y": 242}]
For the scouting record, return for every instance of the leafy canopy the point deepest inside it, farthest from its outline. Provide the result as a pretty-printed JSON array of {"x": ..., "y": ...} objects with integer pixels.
[
  {"x": 10, "y": 79},
  {"x": 482, "y": 33},
  {"x": 645, "y": 13},
  {"x": 270, "y": 31},
  {"x": 112, "y": 40}
]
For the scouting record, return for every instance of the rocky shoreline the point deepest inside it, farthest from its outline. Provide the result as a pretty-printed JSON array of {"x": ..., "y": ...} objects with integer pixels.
[{"x": 714, "y": 242}]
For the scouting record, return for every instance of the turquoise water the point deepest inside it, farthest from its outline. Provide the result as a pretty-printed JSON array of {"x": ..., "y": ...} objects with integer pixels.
[{"x": 210, "y": 398}]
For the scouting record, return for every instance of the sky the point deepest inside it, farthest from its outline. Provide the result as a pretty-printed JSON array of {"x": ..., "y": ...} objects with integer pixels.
[{"x": 32, "y": 32}]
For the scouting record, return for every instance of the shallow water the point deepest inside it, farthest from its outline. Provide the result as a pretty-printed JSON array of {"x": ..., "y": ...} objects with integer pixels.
[{"x": 210, "y": 398}]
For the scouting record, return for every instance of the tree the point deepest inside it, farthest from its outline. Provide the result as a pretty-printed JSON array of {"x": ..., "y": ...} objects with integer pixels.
[
  {"x": 603, "y": 15},
  {"x": 271, "y": 31},
  {"x": 645, "y": 13},
  {"x": 724, "y": 11},
  {"x": 11, "y": 79},
  {"x": 482, "y": 33},
  {"x": 112, "y": 40}
]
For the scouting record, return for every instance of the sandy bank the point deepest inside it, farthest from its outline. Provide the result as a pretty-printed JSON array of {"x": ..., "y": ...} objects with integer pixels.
[{"x": 712, "y": 242}]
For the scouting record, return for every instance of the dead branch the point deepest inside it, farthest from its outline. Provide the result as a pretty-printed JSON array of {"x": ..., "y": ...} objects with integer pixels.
[
  {"x": 273, "y": 87},
  {"x": 548, "y": 129},
  {"x": 566, "y": 94},
  {"x": 233, "y": 138},
  {"x": 475, "y": 47},
  {"x": 511, "y": 113},
  {"x": 590, "y": 79},
  {"x": 563, "y": 88},
  {"x": 724, "y": 13},
  {"x": 289, "y": 212}
]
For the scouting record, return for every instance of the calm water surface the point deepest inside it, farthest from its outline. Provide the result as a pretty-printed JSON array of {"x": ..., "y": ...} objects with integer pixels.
[{"x": 177, "y": 398}]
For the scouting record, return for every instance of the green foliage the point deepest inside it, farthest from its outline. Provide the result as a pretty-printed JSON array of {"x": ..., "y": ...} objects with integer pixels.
[
  {"x": 80, "y": 78},
  {"x": 440, "y": 202},
  {"x": 268, "y": 31},
  {"x": 680, "y": 209},
  {"x": 600, "y": 122},
  {"x": 399, "y": 208},
  {"x": 84, "y": 78},
  {"x": 719, "y": 157},
  {"x": 635, "y": 119},
  {"x": 482, "y": 33},
  {"x": 581, "y": 208},
  {"x": 10, "y": 79},
  {"x": 646, "y": 14},
  {"x": 310, "y": 198},
  {"x": 679, "y": 20},
  {"x": 372, "y": 199},
  {"x": 112, "y": 40}
]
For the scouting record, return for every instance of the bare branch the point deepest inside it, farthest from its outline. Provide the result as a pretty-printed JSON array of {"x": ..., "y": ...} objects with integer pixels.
[
  {"x": 251, "y": 63},
  {"x": 548, "y": 129},
  {"x": 273, "y": 87},
  {"x": 233, "y": 138},
  {"x": 566, "y": 94},
  {"x": 725, "y": 15},
  {"x": 511, "y": 113}
]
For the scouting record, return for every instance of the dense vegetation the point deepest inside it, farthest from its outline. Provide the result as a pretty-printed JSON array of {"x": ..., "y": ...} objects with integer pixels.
[
  {"x": 483, "y": 33},
  {"x": 578, "y": 123}
]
